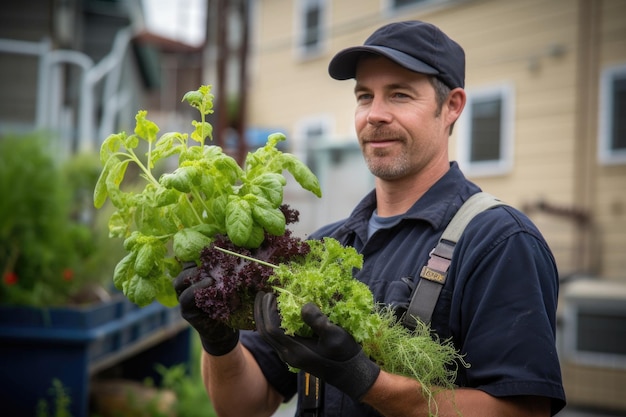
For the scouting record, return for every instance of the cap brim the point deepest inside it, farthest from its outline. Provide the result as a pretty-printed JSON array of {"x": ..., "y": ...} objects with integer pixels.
[{"x": 343, "y": 65}]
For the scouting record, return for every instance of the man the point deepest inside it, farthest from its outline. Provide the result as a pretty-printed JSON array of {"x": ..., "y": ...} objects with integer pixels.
[{"x": 498, "y": 304}]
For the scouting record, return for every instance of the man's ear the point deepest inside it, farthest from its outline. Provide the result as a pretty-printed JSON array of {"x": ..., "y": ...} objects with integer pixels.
[{"x": 455, "y": 104}]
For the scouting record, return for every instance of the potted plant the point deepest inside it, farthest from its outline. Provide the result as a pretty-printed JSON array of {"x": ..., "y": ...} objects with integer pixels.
[
  {"x": 46, "y": 251},
  {"x": 60, "y": 318}
]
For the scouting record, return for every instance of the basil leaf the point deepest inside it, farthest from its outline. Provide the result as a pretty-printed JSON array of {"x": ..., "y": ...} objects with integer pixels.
[
  {"x": 123, "y": 270},
  {"x": 270, "y": 218},
  {"x": 238, "y": 220},
  {"x": 182, "y": 179},
  {"x": 302, "y": 174},
  {"x": 140, "y": 291},
  {"x": 270, "y": 186},
  {"x": 188, "y": 243}
]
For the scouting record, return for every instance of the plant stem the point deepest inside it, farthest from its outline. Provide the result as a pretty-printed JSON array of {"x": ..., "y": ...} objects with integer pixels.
[
  {"x": 149, "y": 156},
  {"x": 203, "y": 202},
  {"x": 131, "y": 156},
  {"x": 246, "y": 257},
  {"x": 196, "y": 195},
  {"x": 202, "y": 121}
]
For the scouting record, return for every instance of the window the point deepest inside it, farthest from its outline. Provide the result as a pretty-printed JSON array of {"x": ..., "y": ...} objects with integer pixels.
[
  {"x": 485, "y": 139},
  {"x": 310, "y": 23},
  {"x": 397, "y": 4},
  {"x": 400, "y": 5},
  {"x": 311, "y": 132},
  {"x": 594, "y": 321},
  {"x": 612, "y": 126}
]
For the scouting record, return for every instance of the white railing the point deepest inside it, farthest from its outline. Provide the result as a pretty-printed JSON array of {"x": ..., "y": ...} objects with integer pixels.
[
  {"x": 113, "y": 98},
  {"x": 51, "y": 114}
]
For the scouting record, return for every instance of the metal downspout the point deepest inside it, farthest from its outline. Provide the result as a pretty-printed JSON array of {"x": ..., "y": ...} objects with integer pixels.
[{"x": 585, "y": 154}]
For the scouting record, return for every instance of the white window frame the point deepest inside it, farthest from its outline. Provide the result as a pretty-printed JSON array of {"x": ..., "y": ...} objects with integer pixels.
[
  {"x": 504, "y": 164},
  {"x": 302, "y": 52},
  {"x": 606, "y": 154},
  {"x": 389, "y": 8}
]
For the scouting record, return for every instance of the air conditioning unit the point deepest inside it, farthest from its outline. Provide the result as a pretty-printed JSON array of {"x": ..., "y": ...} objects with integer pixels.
[
  {"x": 595, "y": 323},
  {"x": 593, "y": 343}
]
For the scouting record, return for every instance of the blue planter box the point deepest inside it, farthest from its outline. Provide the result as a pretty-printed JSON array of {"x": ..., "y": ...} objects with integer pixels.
[{"x": 73, "y": 344}]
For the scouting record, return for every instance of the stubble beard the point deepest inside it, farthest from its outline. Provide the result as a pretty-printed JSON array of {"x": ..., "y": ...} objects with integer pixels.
[{"x": 386, "y": 166}]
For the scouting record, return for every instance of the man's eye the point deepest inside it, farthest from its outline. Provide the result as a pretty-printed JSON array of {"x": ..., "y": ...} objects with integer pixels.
[{"x": 363, "y": 97}]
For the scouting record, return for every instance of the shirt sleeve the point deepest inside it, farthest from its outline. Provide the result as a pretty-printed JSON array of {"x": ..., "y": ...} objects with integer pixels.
[{"x": 503, "y": 309}]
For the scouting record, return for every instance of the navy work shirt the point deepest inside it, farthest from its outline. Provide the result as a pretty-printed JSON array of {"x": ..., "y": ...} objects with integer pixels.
[{"x": 498, "y": 304}]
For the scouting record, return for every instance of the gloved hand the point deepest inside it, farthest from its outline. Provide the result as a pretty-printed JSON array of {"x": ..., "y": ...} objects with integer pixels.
[
  {"x": 332, "y": 355},
  {"x": 217, "y": 338}
]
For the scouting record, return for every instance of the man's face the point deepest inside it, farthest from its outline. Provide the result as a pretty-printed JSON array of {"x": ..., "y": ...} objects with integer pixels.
[{"x": 400, "y": 128}]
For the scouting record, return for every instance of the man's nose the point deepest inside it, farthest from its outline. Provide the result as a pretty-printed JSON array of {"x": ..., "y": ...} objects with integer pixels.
[{"x": 379, "y": 112}]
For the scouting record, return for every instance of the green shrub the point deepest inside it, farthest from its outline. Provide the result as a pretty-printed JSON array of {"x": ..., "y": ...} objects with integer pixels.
[{"x": 51, "y": 245}]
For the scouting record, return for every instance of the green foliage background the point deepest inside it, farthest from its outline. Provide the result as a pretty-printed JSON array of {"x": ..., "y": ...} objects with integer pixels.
[{"x": 48, "y": 242}]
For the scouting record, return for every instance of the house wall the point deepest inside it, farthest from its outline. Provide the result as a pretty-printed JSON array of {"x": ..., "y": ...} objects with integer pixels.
[
  {"x": 549, "y": 51},
  {"x": 609, "y": 195},
  {"x": 47, "y": 48},
  {"x": 27, "y": 20}
]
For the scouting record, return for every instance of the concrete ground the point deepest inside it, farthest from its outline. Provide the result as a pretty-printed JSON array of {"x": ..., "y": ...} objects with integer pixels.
[
  {"x": 288, "y": 410},
  {"x": 577, "y": 412}
]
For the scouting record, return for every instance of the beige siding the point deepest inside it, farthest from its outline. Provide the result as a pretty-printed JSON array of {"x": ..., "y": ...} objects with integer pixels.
[
  {"x": 535, "y": 46},
  {"x": 610, "y": 215},
  {"x": 610, "y": 185},
  {"x": 517, "y": 51}
]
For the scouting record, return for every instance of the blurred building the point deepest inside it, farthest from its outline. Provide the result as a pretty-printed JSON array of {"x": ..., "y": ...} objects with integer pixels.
[
  {"x": 78, "y": 70},
  {"x": 544, "y": 129}
]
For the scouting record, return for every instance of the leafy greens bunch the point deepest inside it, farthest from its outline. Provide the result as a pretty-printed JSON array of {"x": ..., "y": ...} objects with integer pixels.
[
  {"x": 321, "y": 272},
  {"x": 324, "y": 276},
  {"x": 175, "y": 216}
]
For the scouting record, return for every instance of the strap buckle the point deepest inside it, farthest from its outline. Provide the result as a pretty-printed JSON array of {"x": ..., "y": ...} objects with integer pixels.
[{"x": 312, "y": 396}]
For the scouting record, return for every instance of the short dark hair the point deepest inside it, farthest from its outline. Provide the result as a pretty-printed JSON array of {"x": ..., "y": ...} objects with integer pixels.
[
  {"x": 441, "y": 91},
  {"x": 441, "y": 94}
]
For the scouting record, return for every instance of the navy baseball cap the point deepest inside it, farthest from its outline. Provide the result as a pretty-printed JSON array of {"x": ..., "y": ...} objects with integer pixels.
[{"x": 417, "y": 46}]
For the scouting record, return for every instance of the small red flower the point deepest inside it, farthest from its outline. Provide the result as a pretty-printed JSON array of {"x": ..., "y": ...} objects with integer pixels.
[
  {"x": 68, "y": 274},
  {"x": 10, "y": 278}
]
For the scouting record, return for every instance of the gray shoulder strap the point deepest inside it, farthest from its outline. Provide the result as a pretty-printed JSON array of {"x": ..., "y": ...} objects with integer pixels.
[{"x": 433, "y": 274}]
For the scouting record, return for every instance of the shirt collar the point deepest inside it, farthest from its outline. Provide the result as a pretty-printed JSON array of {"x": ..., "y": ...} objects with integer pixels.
[{"x": 436, "y": 206}]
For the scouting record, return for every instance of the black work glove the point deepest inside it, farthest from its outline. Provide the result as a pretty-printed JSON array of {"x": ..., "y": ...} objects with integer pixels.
[
  {"x": 332, "y": 355},
  {"x": 217, "y": 338}
]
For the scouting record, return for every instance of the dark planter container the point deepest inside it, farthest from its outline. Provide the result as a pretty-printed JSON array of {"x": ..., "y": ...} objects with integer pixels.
[{"x": 73, "y": 344}]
